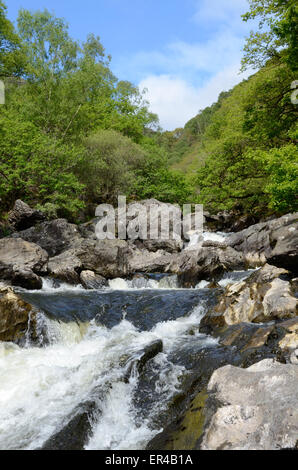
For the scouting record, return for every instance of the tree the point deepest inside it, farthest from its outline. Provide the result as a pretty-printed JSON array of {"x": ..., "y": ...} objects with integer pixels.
[
  {"x": 277, "y": 34},
  {"x": 11, "y": 56},
  {"x": 108, "y": 166}
]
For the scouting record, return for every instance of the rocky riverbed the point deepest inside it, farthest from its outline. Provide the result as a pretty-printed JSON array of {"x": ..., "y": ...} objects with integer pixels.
[{"x": 158, "y": 344}]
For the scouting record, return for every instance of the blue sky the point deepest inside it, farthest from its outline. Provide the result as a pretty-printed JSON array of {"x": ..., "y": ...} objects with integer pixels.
[{"x": 184, "y": 52}]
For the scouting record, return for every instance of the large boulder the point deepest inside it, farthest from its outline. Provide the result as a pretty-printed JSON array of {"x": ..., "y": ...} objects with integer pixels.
[
  {"x": 206, "y": 262},
  {"x": 252, "y": 409},
  {"x": 54, "y": 236},
  {"x": 275, "y": 242},
  {"x": 65, "y": 267},
  {"x": 149, "y": 262},
  {"x": 107, "y": 258},
  {"x": 264, "y": 296},
  {"x": 22, "y": 216},
  {"x": 22, "y": 262},
  {"x": 227, "y": 221},
  {"x": 15, "y": 317}
]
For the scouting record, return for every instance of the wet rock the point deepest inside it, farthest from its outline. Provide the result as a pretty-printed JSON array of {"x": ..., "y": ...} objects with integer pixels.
[
  {"x": 275, "y": 241},
  {"x": 21, "y": 262},
  {"x": 290, "y": 340},
  {"x": 195, "y": 265},
  {"x": 262, "y": 297},
  {"x": 54, "y": 236},
  {"x": 65, "y": 267},
  {"x": 228, "y": 221},
  {"x": 90, "y": 280},
  {"x": 22, "y": 216},
  {"x": 149, "y": 262},
  {"x": 149, "y": 352},
  {"x": 15, "y": 316},
  {"x": 294, "y": 357},
  {"x": 75, "y": 434},
  {"x": 26, "y": 278},
  {"x": 170, "y": 246},
  {"x": 252, "y": 409}
]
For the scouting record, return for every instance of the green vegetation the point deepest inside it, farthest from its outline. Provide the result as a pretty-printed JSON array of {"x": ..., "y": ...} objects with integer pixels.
[
  {"x": 245, "y": 155},
  {"x": 72, "y": 135}
]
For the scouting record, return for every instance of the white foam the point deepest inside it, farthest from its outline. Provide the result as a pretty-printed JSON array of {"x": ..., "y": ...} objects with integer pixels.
[{"x": 40, "y": 387}]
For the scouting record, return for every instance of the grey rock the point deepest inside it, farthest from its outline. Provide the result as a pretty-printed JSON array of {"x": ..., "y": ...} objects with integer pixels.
[
  {"x": 65, "y": 267},
  {"x": 21, "y": 262},
  {"x": 207, "y": 262},
  {"x": 252, "y": 409},
  {"x": 275, "y": 241},
  {"x": 261, "y": 297},
  {"x": 90, "y": 280},
  {"x": 22, "y": 216},
  {"x": 54, "y": 236}
]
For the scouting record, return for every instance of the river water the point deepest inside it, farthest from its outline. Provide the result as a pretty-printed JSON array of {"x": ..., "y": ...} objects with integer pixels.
[{"x": 90, "y": 343}]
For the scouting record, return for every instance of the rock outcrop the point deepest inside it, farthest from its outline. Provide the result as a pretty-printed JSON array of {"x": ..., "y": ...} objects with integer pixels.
[
  {"x": 22, "y": 216},
  {"x": 275, "y": 242},
  {"x": 22, "y": 262},
  {"x": 264, "y": 296},
  {"x": 15, "y": 316},
  {"x": 54, "y": 236},
  {"x": 252, "y": 409},
  {"x": 208, "y": 262},
  {"x": 90, "y": 280}
]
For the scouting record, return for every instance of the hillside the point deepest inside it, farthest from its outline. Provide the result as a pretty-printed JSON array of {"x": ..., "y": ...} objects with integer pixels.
[{"x": 241, "y": 152}]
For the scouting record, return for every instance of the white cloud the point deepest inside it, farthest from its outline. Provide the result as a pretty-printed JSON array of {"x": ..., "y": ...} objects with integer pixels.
[
  {"x": 225, "y": 11},
  {"x": 176, "y": 101},
  {"x": 184, "y": 77}
]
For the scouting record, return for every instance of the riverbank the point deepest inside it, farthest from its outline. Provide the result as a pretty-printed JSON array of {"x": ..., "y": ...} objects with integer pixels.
[{"x": 130, "y": 345}]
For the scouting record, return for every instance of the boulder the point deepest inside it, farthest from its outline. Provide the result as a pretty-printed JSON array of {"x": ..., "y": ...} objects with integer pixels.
[
  {"x": 275, "y": 242},
  {"x": 252, "y": 409},
  {"x": 15, "y": 317},
  {"x": 90, "y": 280},
  {"x": 170, "y": 246},
  {"x": 65, "y": 267},
  {"x": 207, "y": 262},
  {"x": 54, "y": 236},
  {"x": 21, "y": 262},
  {"x": 290, "y": 341},
  {"x": 22, "y": 216},
  {"x": 138, "y": 364},
  {"x": 264, "y": 296},
  {"x": 227, "y": 221},
  {"x": 107, "y": 258},
  {"x": 148, "y": 262}
]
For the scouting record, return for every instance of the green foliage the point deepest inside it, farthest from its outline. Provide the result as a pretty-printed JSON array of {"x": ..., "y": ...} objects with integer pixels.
[
  {"x": 72, "y": 135},
  {"x": 11, "y": 56},
  {"x": 69, "y": 127},
  {"x": 154, "y": 179},
  {"x": 108, "y": 166},
  {"x": 282, "y": 184},
  {"x": 277, "y": 33},
  {"x": 36, "y": 168},
  {"x": 257, "y": 116}
]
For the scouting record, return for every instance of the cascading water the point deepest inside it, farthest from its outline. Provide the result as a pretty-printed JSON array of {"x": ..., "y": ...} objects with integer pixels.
[{"x": 91, "y": 350}]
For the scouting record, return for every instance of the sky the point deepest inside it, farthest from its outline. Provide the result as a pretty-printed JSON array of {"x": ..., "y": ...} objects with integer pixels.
[{"x": 184, "y": 52}]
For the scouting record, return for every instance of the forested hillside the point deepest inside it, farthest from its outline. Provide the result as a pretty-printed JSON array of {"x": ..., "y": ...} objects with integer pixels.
[
  {"x": 241, "y": 152},
  {"x": 72, "y": 135}
]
